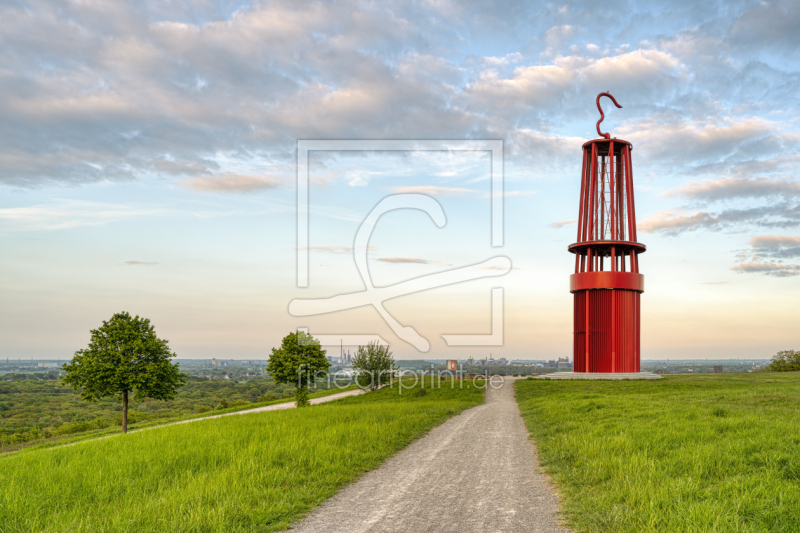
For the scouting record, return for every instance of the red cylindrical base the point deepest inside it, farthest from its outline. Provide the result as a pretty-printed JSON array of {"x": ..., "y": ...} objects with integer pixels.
[{"x": 612, "y": 343}]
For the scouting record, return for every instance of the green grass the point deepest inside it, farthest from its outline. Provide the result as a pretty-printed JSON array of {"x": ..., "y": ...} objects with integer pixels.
[
  {"x": 135, "y": 426},
  {"x": 685, "y": 453},
  {"x": 249, "y": 473}
]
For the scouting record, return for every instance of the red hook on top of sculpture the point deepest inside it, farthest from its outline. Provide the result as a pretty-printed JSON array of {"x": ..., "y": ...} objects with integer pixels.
[{"x": 602, "y": 116}]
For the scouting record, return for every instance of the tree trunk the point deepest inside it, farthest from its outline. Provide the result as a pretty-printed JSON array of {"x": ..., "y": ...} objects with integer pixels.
[
  {"x": 301, "y": 396},
  {"x": 125, "y": 412}
]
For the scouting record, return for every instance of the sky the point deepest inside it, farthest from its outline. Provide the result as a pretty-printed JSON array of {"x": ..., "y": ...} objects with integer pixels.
[{"x": 148, "y": 163}]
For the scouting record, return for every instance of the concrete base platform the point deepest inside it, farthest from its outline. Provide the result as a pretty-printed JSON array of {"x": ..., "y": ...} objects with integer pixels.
[{"x": 600, "y": 375}]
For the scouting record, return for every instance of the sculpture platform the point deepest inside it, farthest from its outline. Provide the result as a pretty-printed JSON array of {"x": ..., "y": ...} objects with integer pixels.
[{"x": 600, "y": 375}]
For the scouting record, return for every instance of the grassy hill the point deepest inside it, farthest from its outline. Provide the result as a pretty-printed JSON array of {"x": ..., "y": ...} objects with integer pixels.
[
  {"x": 714, "y": 453},
  {"x": 34, "y": 411},
  {"x": 248, "y": 473}
]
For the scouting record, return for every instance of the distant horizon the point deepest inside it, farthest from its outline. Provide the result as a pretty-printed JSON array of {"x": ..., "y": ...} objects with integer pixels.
[{"x": 429, "y": 359}]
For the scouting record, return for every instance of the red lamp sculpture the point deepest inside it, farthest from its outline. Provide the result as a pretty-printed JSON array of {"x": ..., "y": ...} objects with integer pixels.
[{"x": 606, "y": 285}]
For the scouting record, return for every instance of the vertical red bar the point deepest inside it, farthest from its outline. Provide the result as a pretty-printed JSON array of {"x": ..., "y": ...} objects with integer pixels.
[
  {"x": 592, "y": 194},
  {"x": 631, "y": 201},
  {"x": 612, "y": 219},
  {"x": 613, "y": 329},
  {"x": 583, "y": 188},
  {"x": 601, "y": 198},
  {"x": 586, "y": 322},
  {"x": 620, "y": 195}
]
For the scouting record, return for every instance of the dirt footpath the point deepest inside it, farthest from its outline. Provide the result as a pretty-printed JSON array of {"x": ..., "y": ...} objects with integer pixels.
[{"x": 476, "y": 472}]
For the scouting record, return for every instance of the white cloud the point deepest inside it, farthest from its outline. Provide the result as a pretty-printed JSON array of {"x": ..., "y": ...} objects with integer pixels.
[
  {"x": 563, "y": 223},
  {"x": 433, "y": 190},
  {"x": 68, "y": 214},
  {"x": 728, "y": 188},
  {"x": 694, "y": 141},
  {"x": 676, "y": 221},
  {"x": 779, "y": 270},
  {"x": 230, "y": 182},
  {"x": 412, "y": 260}
]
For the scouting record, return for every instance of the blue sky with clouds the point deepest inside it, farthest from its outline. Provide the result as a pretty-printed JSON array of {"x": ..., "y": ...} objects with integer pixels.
[{"x": 148, "y": 163}]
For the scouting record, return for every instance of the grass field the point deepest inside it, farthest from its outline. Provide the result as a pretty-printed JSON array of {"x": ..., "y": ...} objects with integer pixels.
[
  {"x": 248, "y": 473},
  {"x": 148, "y": 424},
  {"x": 708, "y": 453}
]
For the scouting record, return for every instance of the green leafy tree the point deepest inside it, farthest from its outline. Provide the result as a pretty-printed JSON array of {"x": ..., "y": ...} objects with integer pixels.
[
  {"x": 785, "y": 361},
  {"x": 299, "y": 360},
  {"x": 374, "y": 364},
  {"x": 124, "y": 357}
]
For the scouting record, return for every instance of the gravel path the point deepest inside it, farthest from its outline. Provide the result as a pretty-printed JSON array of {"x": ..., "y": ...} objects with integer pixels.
[
  {"x": 285, "y": 405},
  {"x": 476, "y": 472}
]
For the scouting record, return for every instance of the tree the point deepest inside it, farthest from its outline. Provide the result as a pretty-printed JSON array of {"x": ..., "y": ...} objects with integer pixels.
[
  {"x": 299, "y": 360},
  {"x": 785, "y": 361},
  {"x": 374, "y": 364},
  {"x": 124, "y": 357}
]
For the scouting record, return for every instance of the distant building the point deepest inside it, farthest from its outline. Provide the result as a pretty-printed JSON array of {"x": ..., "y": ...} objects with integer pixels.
[
  {"x": 717, "y": 369},
  {"x": 47, "y": 365}
]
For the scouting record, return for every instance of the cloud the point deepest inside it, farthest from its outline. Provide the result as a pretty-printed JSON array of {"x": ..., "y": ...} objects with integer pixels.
[
  {"x": 433, "y": 190},
  {"x": 730, "y": 188},
  {"x": 128, "y": 90},
  {"x": 694, "y": 143},
  {"x": 331, "y": 249},
  {"x": 337, "y": 250},
  {"x": 674, "y": 222},
  {"x": 66, "y": 214},
  {"x": 562, "y": 223},
  {"x": 537, "y": 87},
  {"x": 769, "y": 24},
  {"x": 779, "y": 270},
  {"x": 514, "y": 57},
  {"x": 415, "y": 260},
  {"x": 775, "y": 246},
  {"x": 229, "y": 182},
  {"x": 766, "y": 255},
  {"x": 143, "y": 263},
  {"x": 412, "y": 260}
]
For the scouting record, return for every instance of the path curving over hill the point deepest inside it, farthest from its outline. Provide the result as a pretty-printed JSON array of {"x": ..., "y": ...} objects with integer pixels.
[{"x": 476, "y": 472}]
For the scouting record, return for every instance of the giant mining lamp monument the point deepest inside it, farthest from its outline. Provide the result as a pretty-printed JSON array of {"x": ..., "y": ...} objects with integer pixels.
[{"x": 606, "y": 285}]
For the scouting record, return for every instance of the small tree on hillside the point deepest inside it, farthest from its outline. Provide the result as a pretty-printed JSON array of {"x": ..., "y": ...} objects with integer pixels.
[
  {"x": 785, "y": 361},
  {"x": 374, "y": 364},
  {"x": 299, "y": 360},
  {"x": 124, "y": 357}
]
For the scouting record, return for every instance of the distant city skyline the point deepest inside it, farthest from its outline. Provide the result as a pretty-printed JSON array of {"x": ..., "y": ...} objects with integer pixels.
[{"x": 148, "y": 164}]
